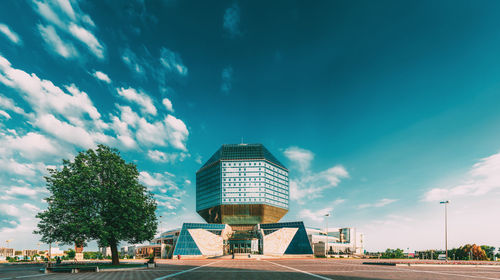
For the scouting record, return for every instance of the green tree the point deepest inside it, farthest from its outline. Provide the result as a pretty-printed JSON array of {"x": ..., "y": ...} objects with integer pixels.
[
  {"x": 97, "y": 197},
  {"x": 393, "y": 254},
  {"x": 71, "y": 254},
  {"x": 489, "y": 250}
]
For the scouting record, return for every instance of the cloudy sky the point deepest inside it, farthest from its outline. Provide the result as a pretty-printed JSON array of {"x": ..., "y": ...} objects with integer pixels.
[{"x": 379, "y": 109}]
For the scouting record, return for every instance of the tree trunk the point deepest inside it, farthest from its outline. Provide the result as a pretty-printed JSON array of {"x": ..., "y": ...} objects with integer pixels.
[{"x": 114, "y": 254}]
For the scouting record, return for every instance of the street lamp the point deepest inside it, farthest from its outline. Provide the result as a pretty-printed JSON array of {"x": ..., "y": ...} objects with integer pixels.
[
  {"x": 446, "y": 202},
  {"x": 161, "y": 227},
  {"x": 327, "y": 245},
  {"x": 8, "y": 241}
]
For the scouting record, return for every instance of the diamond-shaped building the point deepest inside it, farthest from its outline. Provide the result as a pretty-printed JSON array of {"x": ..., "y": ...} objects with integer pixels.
[
  {"x": 242, "y": 192},
  {"x": 242, "y": 185}
]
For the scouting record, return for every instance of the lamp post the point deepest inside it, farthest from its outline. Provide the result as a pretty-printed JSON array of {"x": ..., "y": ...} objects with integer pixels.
[
  {"x": 446, "y": 202},
  {"x": 8, "y": 241},
  {"x": 327, "y": 245},
  {"x": 161, "y": 227}
]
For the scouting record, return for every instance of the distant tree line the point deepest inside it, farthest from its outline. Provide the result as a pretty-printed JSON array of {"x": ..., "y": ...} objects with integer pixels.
[
  {"x": 393, "y": 254},
  {"x": 466, "y": 252}
]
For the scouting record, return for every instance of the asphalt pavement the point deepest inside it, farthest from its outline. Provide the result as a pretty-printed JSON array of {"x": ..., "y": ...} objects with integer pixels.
[{"x": 275, "y": 269}]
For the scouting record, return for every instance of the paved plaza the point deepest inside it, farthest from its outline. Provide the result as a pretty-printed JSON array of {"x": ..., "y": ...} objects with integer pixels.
[{"x": 267, "y": 269}]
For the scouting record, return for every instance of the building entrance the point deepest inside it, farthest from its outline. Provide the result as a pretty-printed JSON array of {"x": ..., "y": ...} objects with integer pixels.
[
  {"x": 240, "y": 246},
  {"x": 244, "y": 246}
]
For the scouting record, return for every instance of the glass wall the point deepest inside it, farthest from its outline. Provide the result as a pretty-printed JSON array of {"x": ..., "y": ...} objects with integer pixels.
[{"x": 185, "y": 243}]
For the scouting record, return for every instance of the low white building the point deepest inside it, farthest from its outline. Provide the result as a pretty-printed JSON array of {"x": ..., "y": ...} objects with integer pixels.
[
  {"x": 167, "y": 239},
  {"x": 340, "y": 241},
  {"x": 128, "y": 250},
  {"x": 105, "y": 251},
  {"x": 6, "y": 252}
]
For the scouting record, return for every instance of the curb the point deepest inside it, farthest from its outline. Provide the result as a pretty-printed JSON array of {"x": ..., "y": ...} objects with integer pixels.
[
  {"x": 122, "y": 269},
  {"x": 448, "y": 265}
]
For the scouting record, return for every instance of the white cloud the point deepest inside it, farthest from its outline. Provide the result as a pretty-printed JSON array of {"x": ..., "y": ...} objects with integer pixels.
[
  {"x": 14, "y": 167},
  {"x": 11, "y": 35},
  {"x": 474, "y": 200},
  {"x": 11, "y": 210},
  {"x": 68, "y": 132},
  {"x": 151, "y": 133},
  {"x": 4, "y": 114},
  {"x": 172, "y": 62},
  {"x": 132, "y": 61},
  {"x": 68, "y": 17},
  {"x": 177, "y": 132},
  {"x": 44, "y": 10},
  {"x": 168, "y": 104},
  {"x": 88, "y": 39},
  {"x": 55, "y": 43},
  {"x": 315, "y": 216},
  {"x": 232, "y": 20},
  {"x": 140, "y": 98},
  {"x": 198, "y": 159},
  {"x": 309, "y": 185},
  {"x": 154, "y": 180},
  {"x": 381, "y": 203},
  {"x": 482, "y": 179},
  {"x": 44, "y": 96},
  {"x": 51, "y": 104},
  {"x": 164, "y": 186},
  {"x": 66, "y": 113},
  {"x": 128, "y": 116},
  {"x": 21, "y": 227},
  {"x": 24, "y": 191},
  {"x": 31, "y": 207},
  {"x": 66, "y": 7},
  {"x": 227, "y": 79},
  {"x": 8, "y": 104},
  {"x": 421, "y": 226},
  {"x": 301, "y": 158},
  {"x": 171, "y": 131},
  {"x": 159, "y": 156},
  {"x": 124, "y": 135},
  {"x": 31, "y": 146},
  {"x": 102, "y": 76}
]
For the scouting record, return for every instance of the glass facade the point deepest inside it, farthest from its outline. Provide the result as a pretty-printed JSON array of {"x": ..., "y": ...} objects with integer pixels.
[
  {"x": 185, "y": 243},
  {"x": 300, "y": 242},
  {"x": 254, "y": 182},
  {"x": 242, "y": 174},
  {"x": 208, "y": 187}
]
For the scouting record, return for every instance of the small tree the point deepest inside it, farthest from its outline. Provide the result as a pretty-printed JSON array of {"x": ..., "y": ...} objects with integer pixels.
[
  {"x": 71, "y": 254},
  {"x": 97, "y": 197},
  {"x": 393, "y": 254}
]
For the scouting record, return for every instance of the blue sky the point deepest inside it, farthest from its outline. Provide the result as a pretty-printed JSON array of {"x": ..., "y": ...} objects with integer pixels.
[{"x": 379, "y": 108}]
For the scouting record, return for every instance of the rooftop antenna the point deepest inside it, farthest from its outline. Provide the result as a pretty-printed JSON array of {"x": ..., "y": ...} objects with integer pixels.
[{"x": 241, "y": 139}]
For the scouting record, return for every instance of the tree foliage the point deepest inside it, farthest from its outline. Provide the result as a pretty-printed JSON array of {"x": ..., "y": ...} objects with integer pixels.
[
  {"x": 92, "y": 255},
  {"x": 471, "y": 251},
  {"x": 97, "y": 196},
  {"x": 71, "y": 254},
  {"x": 393, "y": 254}
]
